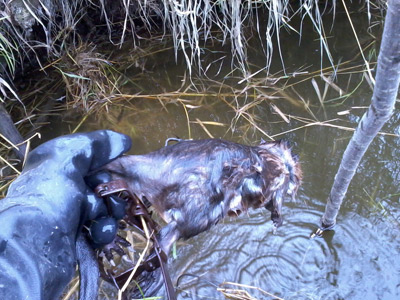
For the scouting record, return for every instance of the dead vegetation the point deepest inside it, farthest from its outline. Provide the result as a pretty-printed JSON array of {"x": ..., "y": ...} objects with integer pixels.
[{"x": 89, "y": 78}]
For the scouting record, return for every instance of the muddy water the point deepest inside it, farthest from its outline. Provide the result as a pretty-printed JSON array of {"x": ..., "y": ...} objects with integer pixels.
[{"x": 360, "y": 259}]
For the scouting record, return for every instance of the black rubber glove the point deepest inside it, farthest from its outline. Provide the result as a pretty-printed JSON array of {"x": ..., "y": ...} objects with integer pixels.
[{"x": 42, "y": 215}]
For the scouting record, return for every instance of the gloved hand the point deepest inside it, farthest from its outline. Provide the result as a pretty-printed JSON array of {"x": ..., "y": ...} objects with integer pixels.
[{"x": 45, "y": 208}]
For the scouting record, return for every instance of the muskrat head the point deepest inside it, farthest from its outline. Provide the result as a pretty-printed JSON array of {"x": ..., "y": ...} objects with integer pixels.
[{"x": 282, "y": 174}]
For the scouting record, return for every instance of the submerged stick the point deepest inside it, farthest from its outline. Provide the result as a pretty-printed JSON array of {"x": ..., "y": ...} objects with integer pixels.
[{"x": 380, "y": 110}]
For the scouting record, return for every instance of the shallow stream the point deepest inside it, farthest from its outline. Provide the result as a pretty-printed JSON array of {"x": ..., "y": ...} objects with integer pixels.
[{"x": 360, "y": 259}]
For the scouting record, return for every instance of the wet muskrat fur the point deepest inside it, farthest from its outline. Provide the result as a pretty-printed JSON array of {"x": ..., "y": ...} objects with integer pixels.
[{"x": 193, "y": 184}]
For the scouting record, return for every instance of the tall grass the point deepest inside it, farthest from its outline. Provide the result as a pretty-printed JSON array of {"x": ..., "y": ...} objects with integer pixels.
[
  {"x": 34, "y": 31},
  {"x": 192, "y": 23},
  {"x": 8, "y": 58}
]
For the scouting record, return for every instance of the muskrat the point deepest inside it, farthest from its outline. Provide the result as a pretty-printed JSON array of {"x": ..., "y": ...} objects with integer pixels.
[{"x": 193, "y": 184}]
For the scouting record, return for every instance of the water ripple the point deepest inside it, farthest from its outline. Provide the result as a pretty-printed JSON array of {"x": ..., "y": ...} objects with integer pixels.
[{"x": 289, "y": 263}]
